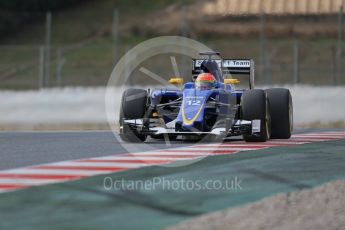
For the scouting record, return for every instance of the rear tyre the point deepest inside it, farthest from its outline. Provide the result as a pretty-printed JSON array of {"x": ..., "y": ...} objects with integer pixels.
[
  {"x": 255, "y": 106},
  {"x": 133, "y": 106},
  {"x": 281, "y": 110}
]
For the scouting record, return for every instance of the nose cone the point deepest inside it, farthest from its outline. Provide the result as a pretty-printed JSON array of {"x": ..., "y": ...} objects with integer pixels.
[
  {"x": 191, "y": 111},
  {"x": 191, "y": 114}
]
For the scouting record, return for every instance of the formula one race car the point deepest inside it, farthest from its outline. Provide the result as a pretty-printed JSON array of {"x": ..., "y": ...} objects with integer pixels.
[{"x": 210, "y": 105}]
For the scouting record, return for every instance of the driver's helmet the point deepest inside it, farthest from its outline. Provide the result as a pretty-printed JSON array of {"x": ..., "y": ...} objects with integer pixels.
[{"x": 205, "y": 81}]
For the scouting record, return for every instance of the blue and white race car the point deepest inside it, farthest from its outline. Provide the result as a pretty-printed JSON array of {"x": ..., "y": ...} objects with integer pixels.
[{"x": 211, "y": 105}]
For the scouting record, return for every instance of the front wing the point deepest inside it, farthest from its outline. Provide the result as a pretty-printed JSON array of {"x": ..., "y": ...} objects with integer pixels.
[{"x": 156, "y": 128}]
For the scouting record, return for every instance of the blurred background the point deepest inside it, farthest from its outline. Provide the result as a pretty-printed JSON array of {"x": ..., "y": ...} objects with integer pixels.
[{"x": 57, "y": 56}]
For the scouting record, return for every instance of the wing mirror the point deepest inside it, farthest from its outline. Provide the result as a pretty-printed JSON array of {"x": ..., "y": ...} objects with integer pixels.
[
  {"x": 176, "y": 81},
  {"x": 232, "y": 81}
]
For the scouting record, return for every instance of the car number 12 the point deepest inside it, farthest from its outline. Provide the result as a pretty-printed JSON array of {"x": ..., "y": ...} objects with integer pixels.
[{"x": 194, "y": 102}]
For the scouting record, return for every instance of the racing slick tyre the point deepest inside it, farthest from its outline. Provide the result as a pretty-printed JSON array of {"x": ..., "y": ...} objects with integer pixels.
[
  {"x": 255, "y": 106},
  {"x": 281, "y": 110},
  {"x": 133, "y": 106}
]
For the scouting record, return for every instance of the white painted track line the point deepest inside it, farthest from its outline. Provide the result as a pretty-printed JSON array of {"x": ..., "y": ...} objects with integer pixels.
[
  {"x": 27, "y": 182},
  {"x": 35, "y": 171},
  {"x": 164, "y": 155},
  {"x": 146, "y": 157},
  {"x": 98, "y": 164}
]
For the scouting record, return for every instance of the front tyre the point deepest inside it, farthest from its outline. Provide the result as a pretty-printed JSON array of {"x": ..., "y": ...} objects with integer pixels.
[
  {"x": 255, "y": 106},
  {"x": 133, "y": 106}
]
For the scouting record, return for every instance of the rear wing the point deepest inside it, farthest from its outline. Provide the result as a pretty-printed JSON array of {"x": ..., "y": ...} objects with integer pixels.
[{"x": 230, "y": 67}]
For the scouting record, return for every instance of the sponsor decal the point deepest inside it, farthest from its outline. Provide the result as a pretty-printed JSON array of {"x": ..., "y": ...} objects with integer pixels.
[
  {"x": 236, "y": 63},
  {"x": 226, "y": 63},
  {"x": 197, "y": 62}
]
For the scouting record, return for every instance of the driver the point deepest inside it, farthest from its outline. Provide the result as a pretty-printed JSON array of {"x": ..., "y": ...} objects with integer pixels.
[{"x": 205, "y": 81}]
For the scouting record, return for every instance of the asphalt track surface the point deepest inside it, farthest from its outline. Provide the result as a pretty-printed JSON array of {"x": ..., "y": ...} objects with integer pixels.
[{"x": 20, "y": 149}]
